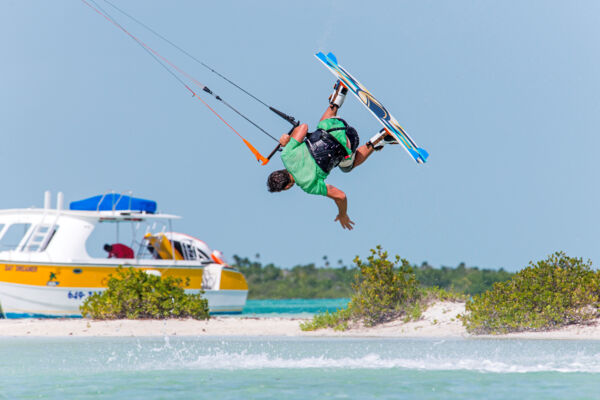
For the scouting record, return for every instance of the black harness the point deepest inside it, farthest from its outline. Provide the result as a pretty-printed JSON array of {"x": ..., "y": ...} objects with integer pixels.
[{"x": 327, "y": 151}]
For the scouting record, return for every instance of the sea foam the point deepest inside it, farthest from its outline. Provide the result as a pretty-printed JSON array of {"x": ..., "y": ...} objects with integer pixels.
[{"x": 491, "y": 356}]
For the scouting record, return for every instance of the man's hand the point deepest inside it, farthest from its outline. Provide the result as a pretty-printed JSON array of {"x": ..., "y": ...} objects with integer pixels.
[
  {"x": 284, "y": 139},
  {"x": 342, "y": 204},
  {"x": 345, "y": 221}
]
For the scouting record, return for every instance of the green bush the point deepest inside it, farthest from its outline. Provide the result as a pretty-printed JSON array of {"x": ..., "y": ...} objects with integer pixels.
[
  {"x": 552, "y": 293},
  {"x": 337, "y": 320},
  {"x": 435, "y": 293},
  {"x": 134, "y": 294},
  {"x": 383, "y": 290}
]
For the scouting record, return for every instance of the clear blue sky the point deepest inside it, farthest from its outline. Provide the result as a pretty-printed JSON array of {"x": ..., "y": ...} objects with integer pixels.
[{"x": 504, "y": 95}]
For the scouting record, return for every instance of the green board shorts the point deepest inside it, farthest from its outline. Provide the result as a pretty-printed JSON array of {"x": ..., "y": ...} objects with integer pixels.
[
  {"x": 300, "y": 163},
  {"x": 331, "y": 125}
]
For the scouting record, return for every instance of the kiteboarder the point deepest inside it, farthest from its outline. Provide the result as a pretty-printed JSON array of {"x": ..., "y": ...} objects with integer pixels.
[{"x": 309, "y": 157}]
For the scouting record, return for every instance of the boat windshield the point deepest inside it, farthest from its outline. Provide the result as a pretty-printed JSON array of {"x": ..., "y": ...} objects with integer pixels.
[
  {"x": 12, "y": 235},
  {"x": 144, "y": 240},
  {"x": 125, "y": 233}
]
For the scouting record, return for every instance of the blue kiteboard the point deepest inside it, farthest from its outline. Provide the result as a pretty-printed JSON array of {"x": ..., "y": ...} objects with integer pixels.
[{"x": 377, "y": 109}]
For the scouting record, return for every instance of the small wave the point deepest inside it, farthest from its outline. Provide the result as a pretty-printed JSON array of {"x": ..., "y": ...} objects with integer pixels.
[
  {"x": 171, "y": 354},
  {"x": 374, "y": 361},
  {"x": 159, "y": 359}
]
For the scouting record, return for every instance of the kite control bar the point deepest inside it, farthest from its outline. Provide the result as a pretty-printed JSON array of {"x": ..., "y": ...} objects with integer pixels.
[{"x": 288, "y": 118}]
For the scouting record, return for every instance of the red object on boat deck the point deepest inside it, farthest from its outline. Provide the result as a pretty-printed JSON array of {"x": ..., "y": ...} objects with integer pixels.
[{"x": 119, "y": 250}]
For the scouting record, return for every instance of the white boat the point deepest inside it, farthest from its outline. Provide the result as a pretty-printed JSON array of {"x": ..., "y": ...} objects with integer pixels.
[{"x": 47, "y": 271}]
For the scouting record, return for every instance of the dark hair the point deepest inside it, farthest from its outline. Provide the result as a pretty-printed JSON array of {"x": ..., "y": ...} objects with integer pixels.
[
  {"x": 108, "y": 247},
  {"x": 278, "y": 180}
]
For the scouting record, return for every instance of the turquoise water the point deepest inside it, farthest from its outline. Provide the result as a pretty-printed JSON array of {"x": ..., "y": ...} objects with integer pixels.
[
  {"x": 281, "y": 308},
  {"x": 297, "y": 368},
  {"x": 275, "y": 308},
  {"x": 292, "y": 307}
]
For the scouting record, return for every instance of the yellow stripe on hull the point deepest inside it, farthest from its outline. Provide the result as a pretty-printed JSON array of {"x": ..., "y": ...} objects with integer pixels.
[
  {"x": 74, "y": 276},
  {"x": 82, "y": 276}
]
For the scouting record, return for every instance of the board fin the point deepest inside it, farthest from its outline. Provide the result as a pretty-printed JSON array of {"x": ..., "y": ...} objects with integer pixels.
[
  {"x": 332, "y": 57},
  {"x": 420, "y": 155},
  {"x": 423, "y": 153}
]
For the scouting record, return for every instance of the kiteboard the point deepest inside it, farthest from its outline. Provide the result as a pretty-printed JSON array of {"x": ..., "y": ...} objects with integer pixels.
[{"x": 377, "y": 109}]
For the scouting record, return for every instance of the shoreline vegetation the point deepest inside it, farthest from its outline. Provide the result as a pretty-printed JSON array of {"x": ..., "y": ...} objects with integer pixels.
[
  {"x": 439, "y": 320},
  {"x": 551, "y": 294},
  {"x": 555, "y": 298},
  {"x": 325, "y": 282},
  {"x": 270, "y": 282},
  {"x": 135, "y": 294},
  {"x": 384, "y": 290}
]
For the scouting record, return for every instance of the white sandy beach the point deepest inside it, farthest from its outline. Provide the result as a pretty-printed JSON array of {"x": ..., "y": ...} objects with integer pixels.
[{"x": 438, "y": 321}]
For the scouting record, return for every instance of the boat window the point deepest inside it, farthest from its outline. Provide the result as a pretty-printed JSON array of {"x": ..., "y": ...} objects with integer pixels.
[
  {"x": 201, "y": 254},
  {"x": 188, "y": 251},
  {"x": 40, "y": 237},
  {"x": 13, "y": 236},
  {"x": 49, "y": 238},
  {"x": 111, "y": 233}
]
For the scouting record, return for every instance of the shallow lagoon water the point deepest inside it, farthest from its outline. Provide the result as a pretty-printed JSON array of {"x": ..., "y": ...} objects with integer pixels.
[
  {"x": 297, "y": 368},
  {"x": 299, "y": 308}
]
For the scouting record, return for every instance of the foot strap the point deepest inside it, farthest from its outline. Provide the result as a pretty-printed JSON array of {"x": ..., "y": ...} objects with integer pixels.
[{"x": 339, "y": 95}]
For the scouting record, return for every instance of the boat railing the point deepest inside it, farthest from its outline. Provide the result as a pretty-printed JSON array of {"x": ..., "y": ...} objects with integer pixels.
[
  {"x": 42, "y": 232},
  {"x": 114, "y": 206}
]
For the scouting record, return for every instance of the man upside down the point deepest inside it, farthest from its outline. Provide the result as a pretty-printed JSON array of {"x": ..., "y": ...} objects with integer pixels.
[{"x": 309, "y": 157}]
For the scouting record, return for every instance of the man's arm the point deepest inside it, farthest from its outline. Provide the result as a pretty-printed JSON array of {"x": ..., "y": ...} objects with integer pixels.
[
  {"x": 299, "y": 133},
  {"x": 341, "y": 201}
]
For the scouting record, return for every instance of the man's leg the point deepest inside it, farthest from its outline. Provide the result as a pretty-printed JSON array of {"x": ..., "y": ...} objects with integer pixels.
[
  {"x": 374, "y": 144},
  {"x": 362, "y": 153},
  {"x": 330, "y": 112}
]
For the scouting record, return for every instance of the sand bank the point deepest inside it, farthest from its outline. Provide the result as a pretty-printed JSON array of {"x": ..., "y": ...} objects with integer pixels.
[{"x": 439, "y": 321}]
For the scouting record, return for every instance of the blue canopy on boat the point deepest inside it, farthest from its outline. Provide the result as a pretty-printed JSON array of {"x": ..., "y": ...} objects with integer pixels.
[{"x": 114, "y": 201}]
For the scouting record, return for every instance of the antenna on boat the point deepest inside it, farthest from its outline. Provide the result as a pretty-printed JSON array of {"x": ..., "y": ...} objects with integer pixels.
[
  {"x": 60, "y": 201},
  {"x": 47, "y": 200}
]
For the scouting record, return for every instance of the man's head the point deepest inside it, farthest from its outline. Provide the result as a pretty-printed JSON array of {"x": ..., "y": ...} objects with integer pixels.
[
  {"x": 107, "y": 247},
  {"x": 280, "y": 180}
]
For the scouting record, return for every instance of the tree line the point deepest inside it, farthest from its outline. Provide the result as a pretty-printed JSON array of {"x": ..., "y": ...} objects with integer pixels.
[{"x": 310, "y": 282}]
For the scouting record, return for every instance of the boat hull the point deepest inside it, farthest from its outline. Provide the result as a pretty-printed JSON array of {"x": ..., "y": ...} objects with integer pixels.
[
  {"x": 28, "y": 301},
  {"x": 44, "y": 290}
]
